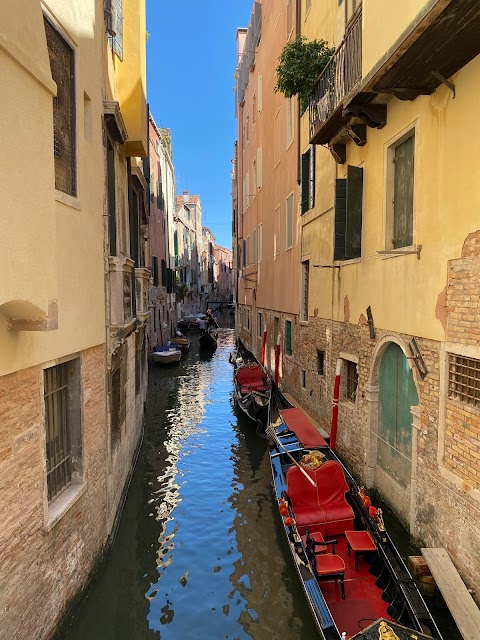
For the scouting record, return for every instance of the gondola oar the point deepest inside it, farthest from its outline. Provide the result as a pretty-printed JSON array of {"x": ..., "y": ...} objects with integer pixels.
[{"x": 270, "y": 431}]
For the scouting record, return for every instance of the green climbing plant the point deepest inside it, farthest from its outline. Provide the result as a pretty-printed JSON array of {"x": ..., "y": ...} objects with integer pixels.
[{"x": 300, "y": 65}]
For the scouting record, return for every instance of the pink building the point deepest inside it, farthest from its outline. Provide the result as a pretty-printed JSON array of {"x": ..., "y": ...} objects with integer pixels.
[{"x": 223, "y": 273}]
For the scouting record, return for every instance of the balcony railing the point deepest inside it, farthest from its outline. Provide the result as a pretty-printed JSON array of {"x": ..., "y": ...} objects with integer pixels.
[{"x": 341, "y": 75}]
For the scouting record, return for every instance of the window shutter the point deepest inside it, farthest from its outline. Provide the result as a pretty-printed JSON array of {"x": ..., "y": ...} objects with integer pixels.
[
  {"x": 353, "y": 231},
  {"x": 259, "y": 167},
  {"x": 340, "y": 218},
  {"x": 305, "y": 182},
  {"x": 164, "y": 273},
  {"x": 403, "y": 194}
]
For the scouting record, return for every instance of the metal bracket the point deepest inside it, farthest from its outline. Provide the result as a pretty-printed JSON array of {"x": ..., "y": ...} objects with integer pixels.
[
  {"x": 371, "y": 326},
  {"x": 444, "y": 81},
  {"x": 401, "y": 252},
  {"x": 417, "y": 358}
]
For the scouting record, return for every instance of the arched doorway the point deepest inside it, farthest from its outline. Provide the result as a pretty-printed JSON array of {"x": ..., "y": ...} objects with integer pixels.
[{"x": 396, "y": 395}]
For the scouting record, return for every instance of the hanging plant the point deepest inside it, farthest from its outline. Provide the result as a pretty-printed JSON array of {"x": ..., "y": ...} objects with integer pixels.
[{"x": 300, "y": 65}]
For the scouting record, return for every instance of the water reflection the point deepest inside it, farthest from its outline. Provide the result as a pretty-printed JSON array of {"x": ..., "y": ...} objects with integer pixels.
[{"x": 198, "y": 552}]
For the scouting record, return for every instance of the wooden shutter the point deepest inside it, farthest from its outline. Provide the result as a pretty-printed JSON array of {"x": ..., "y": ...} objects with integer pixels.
[
  {"x": 311, "y": 178},
  {"x": 305, "y": 182},
  {"x": 353, "y": 231},
  {"x": 340, "y": 218},
  {"x": 288, "y": 337},
  {"x": 403, "y": 194}
]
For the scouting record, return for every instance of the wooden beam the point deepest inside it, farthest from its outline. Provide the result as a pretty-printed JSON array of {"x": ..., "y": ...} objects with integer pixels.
[{"x": 461, "y": 604}]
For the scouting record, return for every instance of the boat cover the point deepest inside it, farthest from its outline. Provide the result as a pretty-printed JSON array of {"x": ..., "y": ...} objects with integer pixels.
[
  {"x": 297, "y": 422},
  {"x": 251, "y": 378}
]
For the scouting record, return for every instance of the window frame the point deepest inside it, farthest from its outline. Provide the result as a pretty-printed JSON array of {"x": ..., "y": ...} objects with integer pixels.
[
  {"x": 288, "y": 338},
  {"x": 403, "y": 136}
]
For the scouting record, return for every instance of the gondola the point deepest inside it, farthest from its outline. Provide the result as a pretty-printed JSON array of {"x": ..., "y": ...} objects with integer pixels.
[
  {"x": 251, "y": 386},
  {"x": 356, "y": 583},
  {"x": 209, "y": 339}
]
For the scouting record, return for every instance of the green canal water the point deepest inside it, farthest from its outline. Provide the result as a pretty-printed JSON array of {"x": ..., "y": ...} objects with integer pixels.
[{"x": 199, "y": 553}]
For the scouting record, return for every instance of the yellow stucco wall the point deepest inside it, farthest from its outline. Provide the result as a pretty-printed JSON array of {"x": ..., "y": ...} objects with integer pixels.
[
  {"x": 52, "y": 245},
  {"x": 131, "y": 77},
  {"x": 403, "y": 291},
  {"x": 383, "y": 23}
]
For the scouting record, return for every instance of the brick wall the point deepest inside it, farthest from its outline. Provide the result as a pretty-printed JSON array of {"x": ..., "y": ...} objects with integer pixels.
[{"x": 42, "y": 568}]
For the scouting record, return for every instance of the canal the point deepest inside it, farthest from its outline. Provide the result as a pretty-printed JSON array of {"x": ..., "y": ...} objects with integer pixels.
[{"x": 199, "y": 552}]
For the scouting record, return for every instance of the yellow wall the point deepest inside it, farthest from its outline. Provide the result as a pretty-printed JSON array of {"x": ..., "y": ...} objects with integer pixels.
[
  {"x": 131, "y": 77},
  {"x": 383, "y": 23},
  {"x": 52, "y": 245},
  {"x": 403, "y": 291}
]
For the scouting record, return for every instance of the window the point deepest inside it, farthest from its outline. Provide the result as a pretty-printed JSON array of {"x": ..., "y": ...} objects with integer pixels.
[
  {"x": 348, "y": 215},
  {"x": 259, "y": 167},
  {"x": 260, "y": 325},
  {"x": 259, "y": 91},
  {"x": 289, "y": 17},
  {"x": 155, "y": 271},
  {"x": 320, "y": 363},
  {"x": 464, "y": 379},
  {"x": 289, "y": 121},
  {"x": 305, "y": 278},
  {"x": 402, "y": 165},
  {"x": 112, "y": 219},
  {"x": 63, "y": 429},
  {"x": 247, "y": 129},
  {"x": 114, "y": 7},
  {"x": 308, "y": 180},
  {"x": 139, "y": 360},
  {"x": 289, "y": 221},
  {"x": 254, "y": 177},
  {"x": 304, "y": 379},
  {"x": 288, "y": 337},
  {"x": 62, "y": 65},
  {"x": 254, "y": 246},
  {"x": 276, "y": 330},
  {"x": 276, "y": 238},
  {"x": 117, "y": 395},
  {"x": 351, "y": 381},
  {"x": 254, "y": 109},
  {"x": 260, "y": 238}
]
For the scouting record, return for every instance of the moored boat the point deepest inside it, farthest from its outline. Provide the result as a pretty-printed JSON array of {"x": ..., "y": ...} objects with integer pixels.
[
  {"x": 209, "y": 339},
  {"x": 182, "y": 342},
  {"x": 167, "y": 354},
  {"x": 252, "y": 390},
  {"x": 356, "y": 583}
]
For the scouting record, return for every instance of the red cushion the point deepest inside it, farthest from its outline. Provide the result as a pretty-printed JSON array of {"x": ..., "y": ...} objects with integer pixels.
[
  {"x": 327, "y": 563},
  {"x": 248, "y": 375}
]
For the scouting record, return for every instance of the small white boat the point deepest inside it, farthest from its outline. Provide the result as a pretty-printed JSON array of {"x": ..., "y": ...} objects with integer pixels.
[{"x": 166, "y": 355}]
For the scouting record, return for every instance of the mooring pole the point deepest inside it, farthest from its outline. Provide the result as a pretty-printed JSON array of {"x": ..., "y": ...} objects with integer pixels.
[
  {"x": 264, "y": 347},
  {"x": 336, "y": 393}
]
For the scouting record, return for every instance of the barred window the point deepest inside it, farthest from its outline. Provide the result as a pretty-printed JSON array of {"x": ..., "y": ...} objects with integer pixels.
[
  {"x": 62, "y": 426},
  {"x": 288, "y": 337},
  {"x": 351, "y": 381},
  {"x": 62, "y": 66},
  {"x": 464, "y": 379}
]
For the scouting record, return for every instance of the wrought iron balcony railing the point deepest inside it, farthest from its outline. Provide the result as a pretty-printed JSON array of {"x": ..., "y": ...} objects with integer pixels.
[{"x": 341, "y": 75}]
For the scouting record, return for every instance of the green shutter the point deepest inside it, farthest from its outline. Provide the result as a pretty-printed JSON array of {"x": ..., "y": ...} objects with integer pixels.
[
  {"x": 311, "y": 169},
  {"x": 288, "y": 337},
  {"x": 353, "y": 230},
  {"x": 305, "y": 182},
  {"x": 340, "y": 218},
  {"x": 403, "y": 194}
]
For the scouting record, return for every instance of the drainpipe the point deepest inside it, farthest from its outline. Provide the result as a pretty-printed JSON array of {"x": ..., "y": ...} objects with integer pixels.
[{"x": 297, "y": 35}]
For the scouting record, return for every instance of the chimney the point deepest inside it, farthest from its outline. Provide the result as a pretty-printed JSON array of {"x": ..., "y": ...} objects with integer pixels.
[{"x": 186, "y": 197}]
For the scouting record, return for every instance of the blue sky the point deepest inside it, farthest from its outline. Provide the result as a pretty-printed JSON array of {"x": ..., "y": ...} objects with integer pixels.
[{"x": 191, "y": 59}]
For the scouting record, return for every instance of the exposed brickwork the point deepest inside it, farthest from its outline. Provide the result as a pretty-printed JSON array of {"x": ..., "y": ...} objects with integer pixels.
[
  {"x": 445, "y": 514},
  {"x": 463, "y": 300},
  {"x": 42, "y": 569}
]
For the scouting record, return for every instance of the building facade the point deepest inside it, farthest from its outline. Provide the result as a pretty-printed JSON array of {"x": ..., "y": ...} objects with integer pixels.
[
  {"x": 390, "y": 258},
  {"x": 223, "y": 273},
  {"x": 188, "y": 245},
  {"x": 163, "y": 320},
  {"x": 62, "y": 471},
  {"x": 266, "y": 235},
  {"x": 208, "y": 287}
]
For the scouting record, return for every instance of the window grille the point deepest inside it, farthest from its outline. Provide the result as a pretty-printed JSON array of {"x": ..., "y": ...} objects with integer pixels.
[
  {"x": 62, "y": 66},
  {"x": 464, "y": 379},
  {"x": 352, "y": 381},
  {"x": 58, "y": 444}
]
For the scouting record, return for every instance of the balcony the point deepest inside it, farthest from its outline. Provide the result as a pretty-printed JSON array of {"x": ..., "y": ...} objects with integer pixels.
[{"x": 338, "y": 81}]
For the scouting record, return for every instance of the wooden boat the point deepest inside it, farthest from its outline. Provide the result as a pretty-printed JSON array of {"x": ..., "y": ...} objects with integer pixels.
[
  {"x": 355, "y": 581},
  {"x": 209, "y": 339},
  {"x": 252, "y": 390},
  {"x": 182, "y": 342},
  {"x": 167, "y": 354}
]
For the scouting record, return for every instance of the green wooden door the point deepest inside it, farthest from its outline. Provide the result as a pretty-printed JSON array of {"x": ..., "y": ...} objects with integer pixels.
[
  {"x": 397, "y": 393},
  {"x": 403, "y": 194}
]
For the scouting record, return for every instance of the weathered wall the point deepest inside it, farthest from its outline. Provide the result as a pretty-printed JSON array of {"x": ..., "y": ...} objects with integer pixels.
[{"x": 43, "y": 565}]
